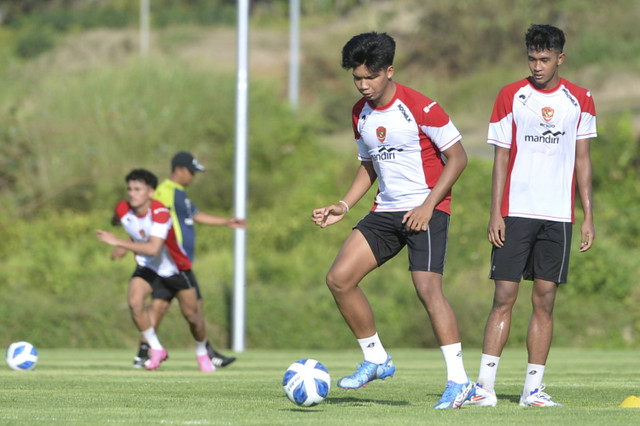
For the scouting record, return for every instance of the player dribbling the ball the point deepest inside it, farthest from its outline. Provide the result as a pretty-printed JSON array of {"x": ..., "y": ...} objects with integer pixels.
[{"x": 403, "y": 138}]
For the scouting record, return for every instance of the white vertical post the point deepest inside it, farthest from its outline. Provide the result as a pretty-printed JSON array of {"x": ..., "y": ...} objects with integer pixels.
[
  {"x": 294, "y": 55},
  {"x": 241, "y": 176},
  {"x": 144, "y": 26}
]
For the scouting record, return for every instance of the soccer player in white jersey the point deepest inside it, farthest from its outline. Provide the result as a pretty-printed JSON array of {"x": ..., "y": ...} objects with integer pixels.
[
  {"x": 541, "y": 128},
  {"x": 160, "y": 264},
  {"x": 403, "y": 138}
]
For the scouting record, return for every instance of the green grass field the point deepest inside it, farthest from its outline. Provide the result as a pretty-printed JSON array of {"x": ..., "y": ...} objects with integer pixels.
[{"x": 100, "y": 386}]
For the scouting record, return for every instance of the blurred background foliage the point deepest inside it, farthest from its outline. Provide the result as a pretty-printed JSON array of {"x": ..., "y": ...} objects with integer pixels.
[{"x": 80, "y": 107}]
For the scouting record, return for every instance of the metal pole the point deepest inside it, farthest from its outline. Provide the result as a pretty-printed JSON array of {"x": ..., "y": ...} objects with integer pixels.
[
  {"x": 294, "y": 49},
  {"x": 144, "y": 26},
  {"x": 241, "y": 175}
]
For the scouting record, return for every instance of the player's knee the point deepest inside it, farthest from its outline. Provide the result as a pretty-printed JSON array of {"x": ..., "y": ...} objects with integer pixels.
[
  {"x": 136, "y": 307},
  {"x": 543, "y": 306},
  {"x": 193, "y": 317},
  {"x": 503, "y": 302},
  {"x": 336, "y": 283}
]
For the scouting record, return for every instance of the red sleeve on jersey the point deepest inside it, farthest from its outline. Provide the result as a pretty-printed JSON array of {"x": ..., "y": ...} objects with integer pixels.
[
  {"x": 426, "y": 111},
  {"x": 584, "y": 97},
  {"x": 504, "y": 101},
  {"x": 159, "y": 213},
  {"x": 434, "y": 115},
  {"x": 122, "y": 208},
  {"x": 587, "y": 104},
  {"x": 355, "y": 116},
  {"x": 503, "y": 106}
]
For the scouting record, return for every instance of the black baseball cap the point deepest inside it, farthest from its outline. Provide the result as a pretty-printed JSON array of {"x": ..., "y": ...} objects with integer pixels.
[{"x": 185, "y": 159}]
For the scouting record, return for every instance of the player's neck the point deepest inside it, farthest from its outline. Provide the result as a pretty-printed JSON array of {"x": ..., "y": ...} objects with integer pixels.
[
  {"x": 387, "y": 96},
  {"x": 177, "y": 180},
  {"x": 548, "y": 85},
  {"x": 142, "y": 209}
]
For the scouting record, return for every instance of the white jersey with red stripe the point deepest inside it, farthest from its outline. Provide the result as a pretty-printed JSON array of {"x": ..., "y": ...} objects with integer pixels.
[
  {"x": 541, "y": 127},
  {"x": 156, "y": 222},
  {"x": 405, "y": 140}
]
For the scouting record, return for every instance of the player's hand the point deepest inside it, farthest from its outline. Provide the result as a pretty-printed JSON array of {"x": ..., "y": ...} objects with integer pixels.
[
  {"x": 329, "y": 215},
  {"x": 118, "y": 252},
  {"x": 588, "y": 234},
  {"x": 496, "y": 231},
  {"x": 107, "y": 237},
  {"x": 235, "y": 222},
  {"x": 418, "y": 219}
]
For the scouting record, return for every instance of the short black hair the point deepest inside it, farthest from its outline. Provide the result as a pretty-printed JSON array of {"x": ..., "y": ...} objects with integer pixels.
[
  {"x": 372, "y": 49},
  {"x": 142, "y": 175},
  {"x": 544, "y": 37}
]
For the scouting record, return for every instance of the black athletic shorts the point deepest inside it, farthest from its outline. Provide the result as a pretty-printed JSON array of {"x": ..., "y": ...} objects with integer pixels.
[
  {"x": 167, "y": 287},
  {"x": 532, "y": 249},
  {"x": 149, "y": 275},
  {"x": 387, "y": 235}
]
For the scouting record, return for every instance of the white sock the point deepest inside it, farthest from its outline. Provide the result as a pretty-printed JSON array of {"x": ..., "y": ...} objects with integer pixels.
[
  {"x": 533, "y": 380},
  {"x": 201, "y": 348},
  {"x": 373, "y": 350},
  {"x": 488, "y": 371},
  {"x": 152, "y": 339},
  {"x": 453, "y": 359}
]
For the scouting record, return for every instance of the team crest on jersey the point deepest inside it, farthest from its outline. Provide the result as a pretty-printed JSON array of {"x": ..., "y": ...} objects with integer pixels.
[
  {"x": 547, "y": 113},
  {"x": 381, "y": 133},
  {"x": 142, "y": 233}
]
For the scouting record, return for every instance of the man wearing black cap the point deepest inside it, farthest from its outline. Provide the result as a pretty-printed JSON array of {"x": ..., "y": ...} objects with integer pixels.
[{"x": 184, "y": 213}]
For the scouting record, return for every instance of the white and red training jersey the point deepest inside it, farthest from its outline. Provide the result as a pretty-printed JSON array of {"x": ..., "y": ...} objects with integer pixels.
[
  {"x": 404, "y": 140},
  {"x": 541, "y": 128},
  {"x": 156, "y": 222}
]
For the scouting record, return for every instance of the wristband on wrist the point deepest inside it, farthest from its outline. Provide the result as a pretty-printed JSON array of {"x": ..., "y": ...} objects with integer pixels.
[{"x": 346, "y": 206}]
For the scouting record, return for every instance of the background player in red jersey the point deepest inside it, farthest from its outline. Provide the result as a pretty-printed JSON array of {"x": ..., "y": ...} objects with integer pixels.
[
  {"x": 161, "y": 264},
  {"x": 402, "y": 137},
  {"x": 140, "y": 188},
  {"x": 541, "y": 128}
]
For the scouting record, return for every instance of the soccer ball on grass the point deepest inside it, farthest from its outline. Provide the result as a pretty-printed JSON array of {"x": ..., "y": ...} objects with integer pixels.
[
  {"x": 22, "y": 356},
  {"x": 306, "y": 382}
]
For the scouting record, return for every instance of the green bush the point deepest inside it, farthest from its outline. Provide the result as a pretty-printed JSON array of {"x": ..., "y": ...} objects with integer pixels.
[{"x": 34, "y": 41}]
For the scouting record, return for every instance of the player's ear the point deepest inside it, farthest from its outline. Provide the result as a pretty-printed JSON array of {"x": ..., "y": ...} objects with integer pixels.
[
  {"x": 561, "y": 58},
  {"x": 390, "y": 72}
]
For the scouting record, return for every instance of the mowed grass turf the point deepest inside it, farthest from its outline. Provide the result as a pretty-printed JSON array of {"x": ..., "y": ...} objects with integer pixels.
[{"x": 100, "y": 386}]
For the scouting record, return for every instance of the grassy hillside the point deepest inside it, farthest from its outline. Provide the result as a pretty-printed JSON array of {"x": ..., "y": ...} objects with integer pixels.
[{"x": 74, "y": 119}]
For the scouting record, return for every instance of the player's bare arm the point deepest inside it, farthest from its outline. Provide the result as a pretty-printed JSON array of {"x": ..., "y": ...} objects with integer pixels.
[
  {"x": 148, "y": 248},
  {"x": 583, "y": 179},
  {"x": 365, "y": 177},
  {"x": 204, "y": 218},
  {"x": 418, "y": 219},
  {"x": 496, "y": 229},
  {"x": 118, "y": 253}
]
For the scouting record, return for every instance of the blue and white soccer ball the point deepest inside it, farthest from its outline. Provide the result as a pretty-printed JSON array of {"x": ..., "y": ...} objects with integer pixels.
[
  {"x": 306, "y": 382},
  {"x": 22, "y": 356}
]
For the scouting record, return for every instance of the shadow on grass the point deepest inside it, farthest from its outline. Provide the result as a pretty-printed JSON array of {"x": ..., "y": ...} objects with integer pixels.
[
  {"x": 361, "y": 402},
  {"x": 513, "y": 398},
  {"x": 355, "y": 402},
  {"x": 303, "y": 410}
]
